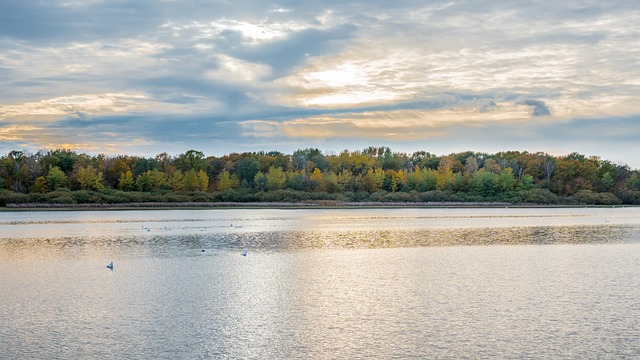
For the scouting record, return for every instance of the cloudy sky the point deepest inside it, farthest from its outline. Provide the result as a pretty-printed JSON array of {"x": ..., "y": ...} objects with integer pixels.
[{"x": 143, "y": 77}]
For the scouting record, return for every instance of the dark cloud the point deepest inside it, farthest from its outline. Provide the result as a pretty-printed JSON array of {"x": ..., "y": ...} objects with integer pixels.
[
  {"x": 539, "y": 107},
  {"x": 285, "y": 54}
]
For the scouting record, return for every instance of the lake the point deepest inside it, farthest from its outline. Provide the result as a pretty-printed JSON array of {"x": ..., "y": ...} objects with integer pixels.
[{"x": 321, "y": 283}]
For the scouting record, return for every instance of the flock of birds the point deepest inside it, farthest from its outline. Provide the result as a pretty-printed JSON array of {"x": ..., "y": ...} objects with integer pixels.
[{"x": 205, "y": 228}]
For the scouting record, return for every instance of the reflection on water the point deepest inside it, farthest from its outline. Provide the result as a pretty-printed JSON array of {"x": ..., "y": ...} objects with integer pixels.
[
  {"x": 409, "y": 283},
  {"x": 190, "y": 244}
]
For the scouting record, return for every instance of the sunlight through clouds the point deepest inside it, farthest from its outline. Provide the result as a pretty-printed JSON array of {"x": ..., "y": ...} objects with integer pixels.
[
  {"x": 228, "y": 73},
  {"x": 398, "y": 125},
  {"x": 95, "y": 104},
  {"x": 235, "y": 70}
]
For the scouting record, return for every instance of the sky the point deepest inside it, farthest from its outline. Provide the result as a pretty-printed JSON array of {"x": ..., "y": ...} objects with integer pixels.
[{"x": 145, "y": 77}]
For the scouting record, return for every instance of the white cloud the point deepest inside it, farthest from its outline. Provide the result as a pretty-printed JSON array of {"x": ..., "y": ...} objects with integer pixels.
[
  {"x": 233, "y": 70},
  {"x": 252, "y": 32},
  {"x": 94, "y": 104},
  {"x": 393, "y": 124}
]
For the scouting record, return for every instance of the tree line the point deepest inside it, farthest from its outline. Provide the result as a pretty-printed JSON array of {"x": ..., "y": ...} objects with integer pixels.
[{"x": 374, "y": 174}]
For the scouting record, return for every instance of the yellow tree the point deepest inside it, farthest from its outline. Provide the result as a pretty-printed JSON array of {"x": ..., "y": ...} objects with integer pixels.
[
  {"x": 89, "y": 178},
  {"x": 398, "y": 179},
  {"x": 40, "y": 185},
  {"x": 276, "y": 178},
  {"x": 126, "y": 183},
  {"x": 346, "y": 181},
  {"x": 227, "y": 181},
  {"x": 445, "y": 179},
  {"x": 176, "y": 181},
  {"x": 330, "y": 182},
  {"x": 202, "y": 181},
  {"x": 373, "y": 180},
  {"x": 316, "y": 178}
]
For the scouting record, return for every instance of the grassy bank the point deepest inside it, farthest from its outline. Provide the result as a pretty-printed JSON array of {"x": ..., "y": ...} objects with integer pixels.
[{"x": 114, "y": 199}]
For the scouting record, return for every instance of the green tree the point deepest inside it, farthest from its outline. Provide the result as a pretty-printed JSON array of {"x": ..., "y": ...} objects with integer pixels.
[
  {"x": 260, "y": 181},
  {"x": 526, "y": 183},
  {"x": 143, "y": 165},
  {"x": 608, "y": 181},
  {"x": 296, "y": 180},
  {"x": 191, "y": 160},
  {"x": 506, "y": 180},
  {"x": 429, "y": 181},
  {"x": 247, "y": 169},
  {"x": 56, "y": 178}
]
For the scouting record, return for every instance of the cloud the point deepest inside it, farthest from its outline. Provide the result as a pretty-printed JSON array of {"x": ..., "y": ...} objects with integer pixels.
[
  {"x": 292, "y": 50},
  {"x": 243, "y": 73},
  {"x": 539, "y": 107},
  {"x": 59, "y": 107},
  {"x": 396, "y": 125}
]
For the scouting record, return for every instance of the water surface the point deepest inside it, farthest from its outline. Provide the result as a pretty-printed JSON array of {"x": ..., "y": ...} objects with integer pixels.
[{"x": 355, "y": 283}]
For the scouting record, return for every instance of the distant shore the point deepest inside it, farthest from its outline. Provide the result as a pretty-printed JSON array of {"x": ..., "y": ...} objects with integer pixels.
[{"x": 278, "y": 205}]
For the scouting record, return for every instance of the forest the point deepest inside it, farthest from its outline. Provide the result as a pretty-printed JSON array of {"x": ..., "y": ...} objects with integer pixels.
[{"x": 375, "y": 174}]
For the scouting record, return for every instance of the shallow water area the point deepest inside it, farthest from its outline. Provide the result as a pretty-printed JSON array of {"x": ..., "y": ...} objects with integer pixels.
[{"x": 316, "y": 283}]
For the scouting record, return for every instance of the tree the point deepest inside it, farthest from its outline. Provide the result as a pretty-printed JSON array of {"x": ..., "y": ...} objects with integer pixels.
[
  {"x": 276, "y": 178},
  {"x": 373, "y": 180},
  {"x": 296, "y": 180},
  {"x": 346, "y": 181},
  {"x": 116, "y": 167},
  {"x": 202, "y": 181},
  {"x": 40, "y": 185},
  {"x": 247, "y": 169},
  {"x": 549, "y": 166},
  {"x": 227, "y": 181},
  {"x": 152, "y": 180},
  {"x": 56, "y": 178},
  {"x": 126, "y": 183},
  {"x": 316, "y": 179},
  {"x": 89, "y": 178},
  {"x": 471, "y": 165},
  {"x": 191, "y": 160},
  {"x": 195, "y": 181},
  {"x": 608, "y": 181},
  {"x": 506, "y": 180},
  {"x": 176, "y": 181},
  {"x": 165, "y": 163},
  {"x": 491, "y": 165},
  {"x": 526, "y": 183},
  {"x": 143, "y": 165},
  {"x": 260, "y": 181}
]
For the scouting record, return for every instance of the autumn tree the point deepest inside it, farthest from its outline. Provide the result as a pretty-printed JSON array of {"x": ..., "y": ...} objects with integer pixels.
[
  {"x": 227, "y": 181},
  {"x": 89, "y": 178},
  {"x": 276, "y": 178},
  {"x": 126, "y": 182}
]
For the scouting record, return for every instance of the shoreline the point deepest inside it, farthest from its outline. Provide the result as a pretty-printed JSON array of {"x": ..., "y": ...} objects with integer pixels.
[{"x": 283, "y": 205}]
